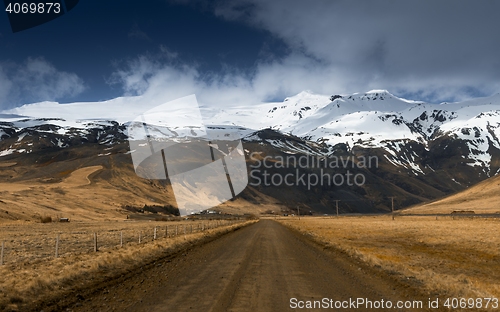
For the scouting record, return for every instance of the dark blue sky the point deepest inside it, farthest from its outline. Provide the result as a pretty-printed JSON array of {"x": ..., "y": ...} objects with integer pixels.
[
  {"x": 97, "y": 37},
  {"x": 254, "y": 50}
]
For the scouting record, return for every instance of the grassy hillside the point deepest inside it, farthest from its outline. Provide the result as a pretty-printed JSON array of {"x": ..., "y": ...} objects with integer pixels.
[
  {"x": 88, "y": 182},
  {"x": 483, "y": 197}
]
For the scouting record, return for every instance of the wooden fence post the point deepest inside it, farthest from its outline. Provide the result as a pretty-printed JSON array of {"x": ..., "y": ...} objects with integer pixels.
[
  {"x": 1, "y": 253},
  {"x": 121, "y": 238},
  {"x": 166, "y": 231},
  {"x": 95, "y": 242},
  {"x": 139, "y": 237},
  {"x": 154, "y": 236},
  {"x": 176, "y": 230},
  {"x": 57, "y": 246}
]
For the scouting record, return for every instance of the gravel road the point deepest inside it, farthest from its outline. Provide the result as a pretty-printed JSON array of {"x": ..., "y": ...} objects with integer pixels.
[{"x": 257, "y": 268}]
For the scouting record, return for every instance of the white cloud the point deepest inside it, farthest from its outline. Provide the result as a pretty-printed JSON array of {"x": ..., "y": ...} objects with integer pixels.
[
  {"x": 427, "y": 50},
  {"x": 5, "y": 87},
  {"x": 445, "y": 48},
  {"x": 160, "y": 80},
  {"x": 35, "y": 80}
]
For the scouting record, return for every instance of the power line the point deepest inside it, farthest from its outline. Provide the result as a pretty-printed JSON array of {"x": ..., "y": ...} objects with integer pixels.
[{"x": 392, "y": 206}]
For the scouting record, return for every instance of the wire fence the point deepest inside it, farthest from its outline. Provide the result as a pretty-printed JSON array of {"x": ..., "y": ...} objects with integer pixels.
[{"x": 39, "y": 244}]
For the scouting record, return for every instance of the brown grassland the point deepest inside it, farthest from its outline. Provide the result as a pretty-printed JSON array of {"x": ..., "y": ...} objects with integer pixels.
[
  {"x": 80, "y": 194},
  {"x": 31, "y": 273},
  {"x": 483, "y": 197},
  {"x": 88, "y": 192},
  {"x": 92, "y": 192},
  {"x": 447, "y": 256}
]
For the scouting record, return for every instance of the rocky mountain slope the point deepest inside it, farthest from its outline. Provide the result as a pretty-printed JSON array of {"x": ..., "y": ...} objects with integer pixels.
[{"x": 423, "y": 151}]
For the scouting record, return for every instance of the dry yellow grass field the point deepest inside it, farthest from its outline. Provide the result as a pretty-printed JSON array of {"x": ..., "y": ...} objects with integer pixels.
[
  {"x": 31, "y": 272},
  {"x": 79, "y": 194},
  {"x": 91, "y": 193},
  {"x": 483, "y": 197},
  {"x": 28, "y": 242},
  {"x": 449, "y": 257}
]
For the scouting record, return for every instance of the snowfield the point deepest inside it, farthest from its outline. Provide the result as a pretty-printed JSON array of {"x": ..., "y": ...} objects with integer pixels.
[{"x": 375, "y": 119}]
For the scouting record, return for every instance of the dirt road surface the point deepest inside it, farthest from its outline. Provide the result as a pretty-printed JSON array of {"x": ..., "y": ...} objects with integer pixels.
[{"x": 257, "y": 268}]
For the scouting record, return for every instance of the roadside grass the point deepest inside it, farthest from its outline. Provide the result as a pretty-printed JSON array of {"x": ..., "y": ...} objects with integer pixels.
[
  {"x": 26, "y": 283},
  {"x": 449, "y": 257}
]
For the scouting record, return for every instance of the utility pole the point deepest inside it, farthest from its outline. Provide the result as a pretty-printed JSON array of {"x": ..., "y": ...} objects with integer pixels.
[
  {"x": 337, "y": 206},
  {"x": 392, "y": 206}
]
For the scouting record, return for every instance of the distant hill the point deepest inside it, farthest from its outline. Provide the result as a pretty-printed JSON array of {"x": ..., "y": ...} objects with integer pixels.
[
  {"x": 90, "y": 182},
  {"x": 483, "y": 197}
]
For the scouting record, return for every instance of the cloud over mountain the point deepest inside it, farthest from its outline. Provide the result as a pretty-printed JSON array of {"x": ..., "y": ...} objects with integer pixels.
[
  {"x": 35, "y": 80},
  {"x": 437, "y": 50}
]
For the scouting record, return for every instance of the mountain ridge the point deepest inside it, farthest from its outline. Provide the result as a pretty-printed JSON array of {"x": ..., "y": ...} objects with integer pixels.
[{"x": 425, "y": 150}]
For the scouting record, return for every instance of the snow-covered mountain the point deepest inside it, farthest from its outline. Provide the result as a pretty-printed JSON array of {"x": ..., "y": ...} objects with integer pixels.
[
  {"x": 378, "y": 119},
  {"x": 415, "y": 137}
]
